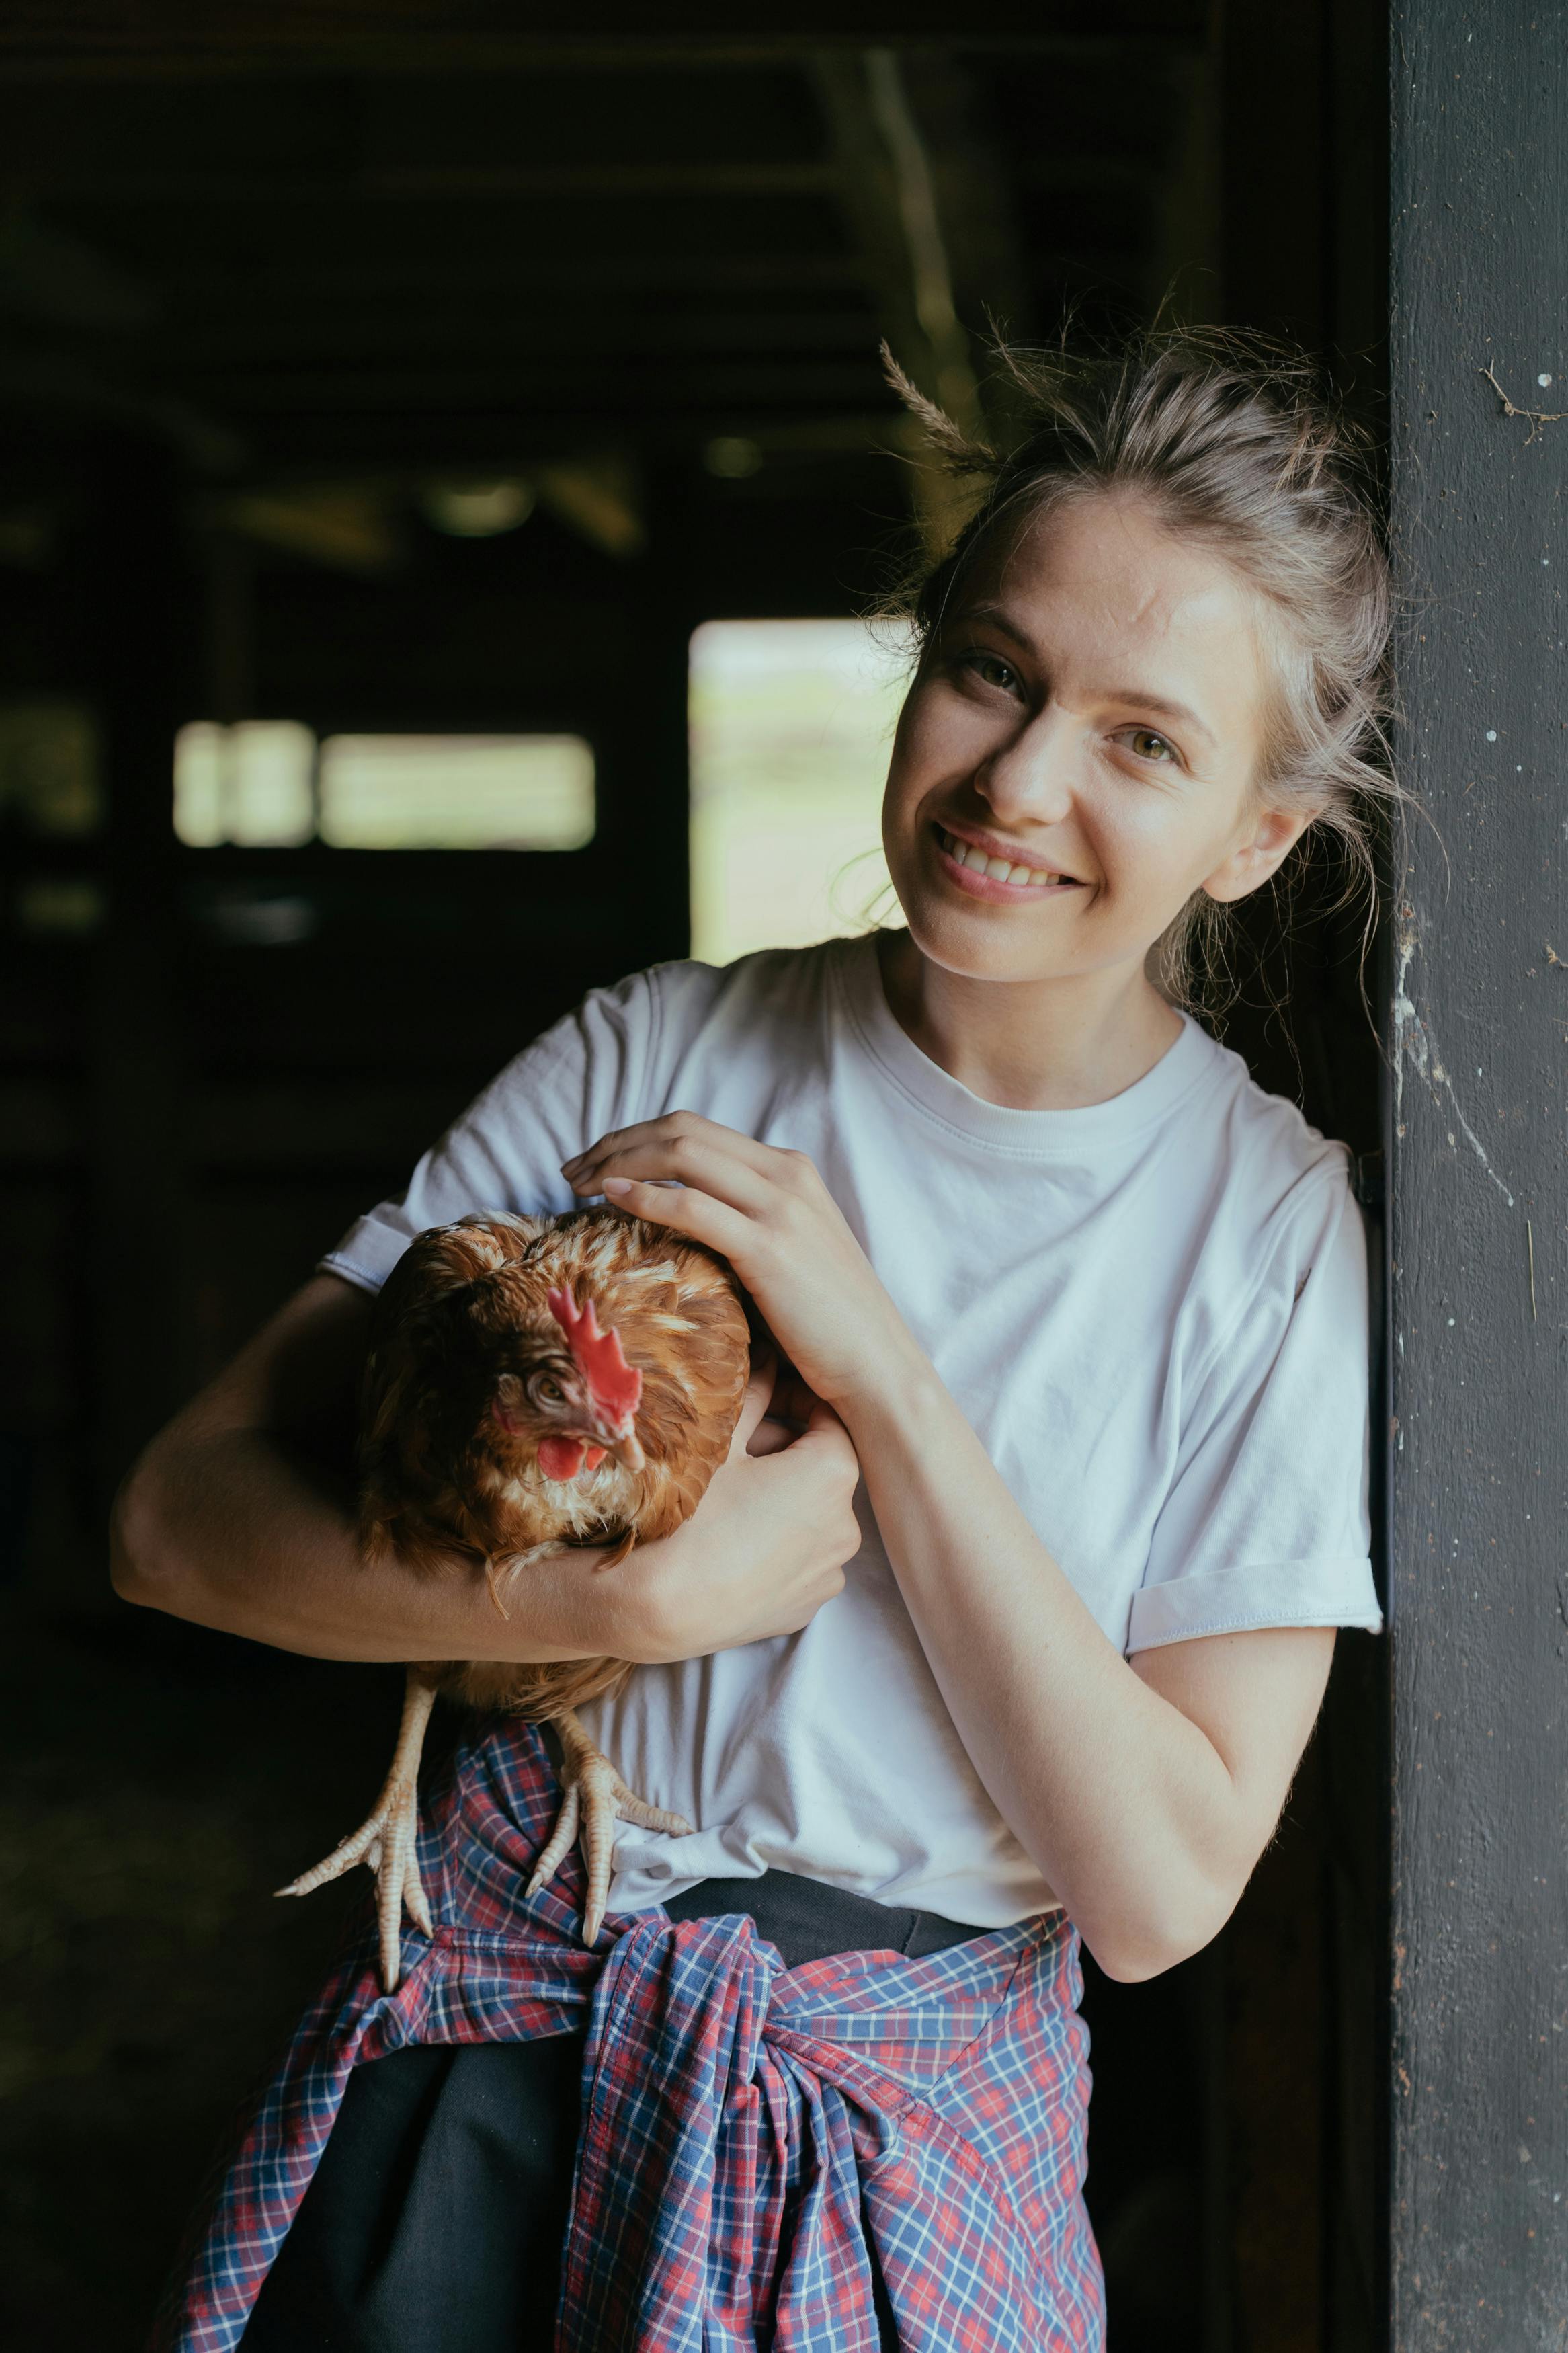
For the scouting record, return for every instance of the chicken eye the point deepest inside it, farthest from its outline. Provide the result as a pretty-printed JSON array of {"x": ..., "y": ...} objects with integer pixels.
[{"x": 549, "y": 1392}]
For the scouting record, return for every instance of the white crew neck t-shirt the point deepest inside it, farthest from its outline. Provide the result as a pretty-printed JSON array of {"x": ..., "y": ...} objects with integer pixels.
[{"x": 1152, "y": 1309}]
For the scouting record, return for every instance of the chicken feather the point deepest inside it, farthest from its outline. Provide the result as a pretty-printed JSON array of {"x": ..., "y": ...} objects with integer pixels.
[{"x": 616, "y": 1351}]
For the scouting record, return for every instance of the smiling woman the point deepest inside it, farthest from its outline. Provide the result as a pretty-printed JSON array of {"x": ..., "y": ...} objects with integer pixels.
[{"x": 1063, "y": 1489}]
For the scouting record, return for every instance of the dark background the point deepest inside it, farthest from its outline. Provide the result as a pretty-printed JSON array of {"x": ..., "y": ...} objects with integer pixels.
[{"x": 265, "y": 274}]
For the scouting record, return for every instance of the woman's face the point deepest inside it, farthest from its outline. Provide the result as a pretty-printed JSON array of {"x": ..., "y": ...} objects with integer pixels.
[{"x": 1076, "y": 756}]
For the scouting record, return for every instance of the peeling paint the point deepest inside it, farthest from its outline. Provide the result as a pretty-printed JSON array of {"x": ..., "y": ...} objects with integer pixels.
[{"x": 1414, "y": 1042}]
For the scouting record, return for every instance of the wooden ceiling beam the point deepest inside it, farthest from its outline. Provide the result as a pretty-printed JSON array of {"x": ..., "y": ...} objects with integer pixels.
[
  {"x": 543, "y": 439},
  {"x": 280, "y": 285},
  {"x": 393, "y": 455},
  {"x": 784, "y": 385},
  {"x": 167, "y": 40},
  {"x": 454, "y": 332},
  {"x": 332, "y": 445},
  {"x": 72, "y": 397},
  {"x": 160, "y": 182},
  {"x": 45, "y": 180}
]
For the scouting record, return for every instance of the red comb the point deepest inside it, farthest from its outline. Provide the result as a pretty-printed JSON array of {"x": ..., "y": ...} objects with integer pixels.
[{"x": 615, "y": 1386}]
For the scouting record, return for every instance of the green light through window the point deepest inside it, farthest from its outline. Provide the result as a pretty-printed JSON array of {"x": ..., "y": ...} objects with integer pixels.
[{"x": 792, "y": 724}]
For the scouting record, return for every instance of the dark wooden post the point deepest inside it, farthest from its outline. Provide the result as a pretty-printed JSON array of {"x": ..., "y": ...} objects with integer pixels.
[
  {"x": 135, "y": 616},
  {"x": 645, "y": 753},
  {"x": 1480, "y": 1651}
]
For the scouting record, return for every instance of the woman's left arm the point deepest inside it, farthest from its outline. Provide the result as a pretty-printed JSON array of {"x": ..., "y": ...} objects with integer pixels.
[{"x": 1143, "y": 1790}]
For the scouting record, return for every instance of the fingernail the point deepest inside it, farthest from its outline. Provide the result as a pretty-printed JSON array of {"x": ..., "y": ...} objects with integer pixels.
[{"x": 615, "y": 1185}]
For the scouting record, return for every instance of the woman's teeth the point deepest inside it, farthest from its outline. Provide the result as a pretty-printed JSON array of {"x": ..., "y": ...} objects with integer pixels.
[{"x": 964, "y": 853}]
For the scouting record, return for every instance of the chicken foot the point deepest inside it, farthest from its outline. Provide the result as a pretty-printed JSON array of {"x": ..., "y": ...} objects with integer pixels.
[
  {"x": 596, "y": 1798},
  {"x": 386, "y": 1841}
]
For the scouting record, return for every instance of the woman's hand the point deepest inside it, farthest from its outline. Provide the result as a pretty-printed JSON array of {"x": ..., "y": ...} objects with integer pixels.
[
  {"x": 770, "y": 1214},
  {"x": 766, "y": 1545}
]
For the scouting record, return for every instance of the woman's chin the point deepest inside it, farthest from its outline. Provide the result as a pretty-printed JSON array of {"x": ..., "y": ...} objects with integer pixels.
[
  {"x": 956, "y": 943},
  {"x": 984, "y": 954}
]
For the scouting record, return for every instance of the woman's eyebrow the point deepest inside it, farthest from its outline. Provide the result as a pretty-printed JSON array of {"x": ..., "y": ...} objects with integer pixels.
[
  {"x": 1163, "y": 703},
  {"x": 1140, "y": 696},
  {"x": 994, "y": 614}
]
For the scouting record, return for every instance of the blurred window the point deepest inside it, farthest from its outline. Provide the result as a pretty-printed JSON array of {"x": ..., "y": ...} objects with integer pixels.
[
  {"x": 266, "y": 784},
  {"x": 457, "y": 791},
  {"x": 792, "y": 726},
  {"x": 252, "y": 784}
]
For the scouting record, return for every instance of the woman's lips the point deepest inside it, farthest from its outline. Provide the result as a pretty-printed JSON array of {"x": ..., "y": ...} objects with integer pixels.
[{"x": 976, "y": 884}]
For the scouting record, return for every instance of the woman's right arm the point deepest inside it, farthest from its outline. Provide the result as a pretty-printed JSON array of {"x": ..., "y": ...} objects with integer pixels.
[{"x": 240, "y": 1515}]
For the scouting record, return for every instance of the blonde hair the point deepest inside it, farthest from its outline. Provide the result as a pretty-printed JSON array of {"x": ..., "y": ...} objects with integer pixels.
[{"x": 1235, "y": 440}]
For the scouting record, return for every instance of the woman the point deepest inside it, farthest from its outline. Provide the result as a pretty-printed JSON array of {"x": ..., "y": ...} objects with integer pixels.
[{"x": 1078, "y": 1310}]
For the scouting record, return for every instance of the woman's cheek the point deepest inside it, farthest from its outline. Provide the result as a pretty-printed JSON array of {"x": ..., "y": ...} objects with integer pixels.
[
  {"x": 1150, "y": 865},
  {"x": 939, "y": 739},
  {"x": 899, "y": 798}
]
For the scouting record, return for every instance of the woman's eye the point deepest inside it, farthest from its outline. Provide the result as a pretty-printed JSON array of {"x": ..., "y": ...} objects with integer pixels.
[
  {"x": 1149, "y": 745},
  {"x": 990, "y": 669}
]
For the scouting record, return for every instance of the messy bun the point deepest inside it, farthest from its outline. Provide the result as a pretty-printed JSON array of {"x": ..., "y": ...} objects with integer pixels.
[{"x": 1235, "y": 440}]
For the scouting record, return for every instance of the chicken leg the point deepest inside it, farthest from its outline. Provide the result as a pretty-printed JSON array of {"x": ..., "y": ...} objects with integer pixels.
[
  {"x": 386, "y": 1841},
  {"x": 596, "y": 1798}
]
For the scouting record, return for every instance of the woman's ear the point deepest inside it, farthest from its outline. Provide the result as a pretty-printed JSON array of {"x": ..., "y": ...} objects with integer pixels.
[{"x": 1265, "y": 844}]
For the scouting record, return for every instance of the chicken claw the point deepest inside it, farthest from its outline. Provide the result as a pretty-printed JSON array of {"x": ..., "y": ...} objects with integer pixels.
[
  {"x": 386, "y": 1842},
  {"x": 595, "y": 1797}
]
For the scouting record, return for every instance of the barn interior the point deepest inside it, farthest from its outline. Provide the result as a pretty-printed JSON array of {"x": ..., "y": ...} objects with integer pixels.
[{"x": 391, "y": 380}]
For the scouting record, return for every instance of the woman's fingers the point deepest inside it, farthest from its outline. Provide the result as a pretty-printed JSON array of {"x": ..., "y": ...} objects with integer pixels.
[
  {"x": 693, "y": 1164},
  {"x": 685, "y": 1210},
  {"x": 756, "y": 1402},
  {"x": 672, "y": 1129},
  {"x": 731, "y": 1168},
  {"x": 765, "y": 1547}
]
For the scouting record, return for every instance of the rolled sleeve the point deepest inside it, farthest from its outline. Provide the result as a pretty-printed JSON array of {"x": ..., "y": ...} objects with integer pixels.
[{"x": 1267, "y": 1523}]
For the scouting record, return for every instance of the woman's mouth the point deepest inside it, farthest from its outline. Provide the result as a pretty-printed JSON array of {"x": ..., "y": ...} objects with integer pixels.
[{"x": 997, "y": 878}]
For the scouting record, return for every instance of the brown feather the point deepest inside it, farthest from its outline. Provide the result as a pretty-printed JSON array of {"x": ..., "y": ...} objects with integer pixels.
[{"x": 464, "y": 1318}]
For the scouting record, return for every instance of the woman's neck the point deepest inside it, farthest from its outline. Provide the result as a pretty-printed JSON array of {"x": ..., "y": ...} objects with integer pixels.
[{"x": 1042, "y": 1045}]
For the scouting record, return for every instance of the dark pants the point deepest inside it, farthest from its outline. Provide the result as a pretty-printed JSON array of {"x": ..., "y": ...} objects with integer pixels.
[{"x": 434, "y": 2221}]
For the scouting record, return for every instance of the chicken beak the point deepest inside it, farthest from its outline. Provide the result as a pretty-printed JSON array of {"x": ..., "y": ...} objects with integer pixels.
[{"x": 627, "y": 1448}]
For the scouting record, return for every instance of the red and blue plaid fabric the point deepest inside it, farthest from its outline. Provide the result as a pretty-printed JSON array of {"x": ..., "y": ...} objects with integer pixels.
[{"x": 749, "y": 2131}]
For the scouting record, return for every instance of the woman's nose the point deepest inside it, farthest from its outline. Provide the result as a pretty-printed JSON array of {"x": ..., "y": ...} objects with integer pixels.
[{"x": 1033, "y": 776}]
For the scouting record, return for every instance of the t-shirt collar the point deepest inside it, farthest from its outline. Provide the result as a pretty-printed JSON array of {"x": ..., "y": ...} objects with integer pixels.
[{"x": 936, "y": 1093}]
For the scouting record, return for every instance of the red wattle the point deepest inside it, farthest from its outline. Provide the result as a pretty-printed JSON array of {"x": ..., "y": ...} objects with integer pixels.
[
  {"x": 561, "y": 1457},
  {"x": 592, "y": 1457}
]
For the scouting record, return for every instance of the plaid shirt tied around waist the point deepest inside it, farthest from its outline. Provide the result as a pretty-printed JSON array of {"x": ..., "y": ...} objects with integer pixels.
[{"x": 750, "y": 2131}]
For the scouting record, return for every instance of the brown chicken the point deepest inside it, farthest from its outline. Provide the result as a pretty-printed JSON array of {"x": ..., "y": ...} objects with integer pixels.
[{"x": 533, "y": 1383}]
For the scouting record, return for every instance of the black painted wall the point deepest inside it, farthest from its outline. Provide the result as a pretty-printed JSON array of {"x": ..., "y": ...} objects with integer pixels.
[{"x": 1480, "y": 2206}]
